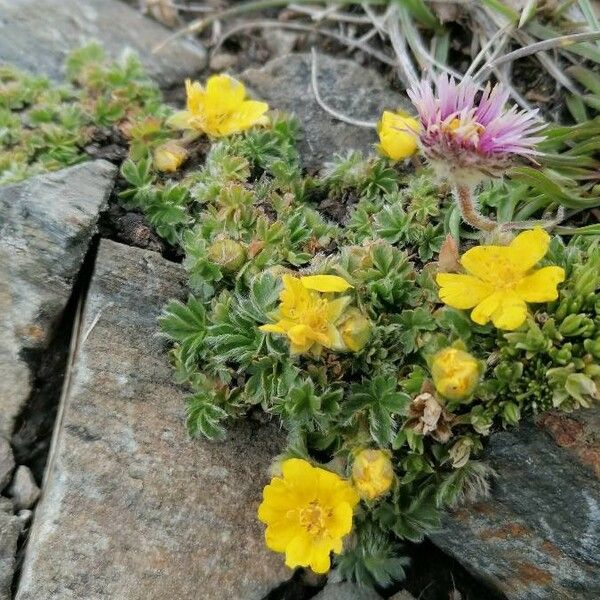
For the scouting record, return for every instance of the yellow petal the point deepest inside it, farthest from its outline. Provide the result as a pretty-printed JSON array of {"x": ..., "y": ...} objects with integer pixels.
[
  {"x": 335, "y": 308},
  {"x": 224, "y": 94},
  {"x": 325, "y": 283},
  {"x": 397, "y": 135},
  {"x": 484, "y": 310},
  {"x": 339, "y": 523},
  {"x": 298, "y": 552},
  {"x": 511, "y": 314},
  {"x": 272, "y": 328},
  {"x": 529, "y": 247},
  {"x": 195, "y": 96},
  {"x": 462, "y": 291},
  {"x": 541, "y": 286},
  {"x": 300, "y": 334},
  {"x": 489, "y": 263},
  {"x": 280, "y": 534},
  {"x": 248, "y": 114},
  {"x": 297, "y": 470},
  {"x": 320, "y": 562},
  {"x": 505, "y": 309},
  {"x": 180, "y": 120}
]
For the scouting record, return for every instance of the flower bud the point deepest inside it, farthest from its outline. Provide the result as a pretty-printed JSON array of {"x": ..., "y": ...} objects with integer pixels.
[
  {"x": 227, "y": 254},
  {"x": 511, "y": 413},
  {"x": 398, "y": 134},
  {"x": 461, "y": 452},
  {"x": 169, "y": 156},
  {"x": 355, "y": 330},
  {"x": 372, "y": 473},
  {"x": 455, "y": 373}
]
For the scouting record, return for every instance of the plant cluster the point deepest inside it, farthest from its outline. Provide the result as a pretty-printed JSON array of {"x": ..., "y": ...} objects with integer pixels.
[
  {"x": 45, "y": 126},
  {"x": 334, "y": 322}
]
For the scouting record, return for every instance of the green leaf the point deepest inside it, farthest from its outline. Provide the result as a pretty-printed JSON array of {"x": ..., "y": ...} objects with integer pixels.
[
  {"x": 417, "y": 516},
  {"x": 185, "y": 324},
  {"x": 204, "y": 417},
  {"x": 380, "y": 400}
]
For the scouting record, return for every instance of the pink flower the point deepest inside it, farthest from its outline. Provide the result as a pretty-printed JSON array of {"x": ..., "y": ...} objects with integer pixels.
[{"x": 468, "y": 140}]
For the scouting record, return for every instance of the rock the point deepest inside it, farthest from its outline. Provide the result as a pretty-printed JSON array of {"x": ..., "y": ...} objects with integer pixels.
[
  {"x": 402, "y": 595},
  {"x": 36, "y": 35},
  {"x": 46, "y": 224},
  {"x": 10, "y": 528},
  {"x": 346, "y": 591},
  {"x": 24, "y": 490},
  {"x": 6, "y": 505},
  {"x": 7, "y": 463},
  {"x": 280, "y": 42},
  {"x": 223, "y": 61},
  {"x": 285, "y": 83},
  {"x": 132, "y": 507},
  {"x": 538, "y": 536},
  {"x": 25, "y": 517}
]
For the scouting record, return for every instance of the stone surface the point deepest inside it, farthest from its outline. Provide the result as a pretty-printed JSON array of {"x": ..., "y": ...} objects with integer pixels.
[
  {"x": 132, "y": 507},
  {"x": 538, "y": 536},
  {"x": 10, "y": 527},
  {"x": 46, "y": 224},
  {"x": 38, "y": 34},
  {"x": 402, "y": 595},
  {"x": 7, "y": 463},
  {"x": 346, "y": 591},
  {"x": 23, "y": 489},
  {"x": 285, "y": 83}
]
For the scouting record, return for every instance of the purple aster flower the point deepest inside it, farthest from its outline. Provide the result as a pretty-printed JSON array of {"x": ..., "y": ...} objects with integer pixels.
[{"x": 468, "y": 140}]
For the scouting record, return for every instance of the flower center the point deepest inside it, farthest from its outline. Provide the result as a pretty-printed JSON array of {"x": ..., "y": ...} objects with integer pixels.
[
  {"x": 466, "y": 131},
  {"x": 312, "y": 519}
]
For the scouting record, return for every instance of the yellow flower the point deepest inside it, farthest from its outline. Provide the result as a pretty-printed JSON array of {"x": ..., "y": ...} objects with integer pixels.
[
  {"x": 306, "y": 317},
  {"x": 169, "y": 156},
  {"x": 372, "y": 473},
  {"x": 220, "y": 109},
  {"x": 455, "y": 373},
  {"x": 501, "y": 279},
  {"x": 307, "y": 512},
  {"x": 398, "y": 135},
  {"x": 355, "y": 329}
]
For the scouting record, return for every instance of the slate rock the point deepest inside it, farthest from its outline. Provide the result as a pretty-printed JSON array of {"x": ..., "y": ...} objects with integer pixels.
[
  {"x": 46, "y": 225},
  {"x": 132, "y": 507},
  {"x": 6, "y": 505},
  {"x": 537, "y": 537},
  {"x": 7, "y": 463},
  {"x": 24, "y": 490},
  {"x": 402, "y": 595},
  {"x": 346, "y": 591},
  {"x": 37, "y": 35},
  {"x": 285, "y": 83},
  {"x": 10, "y": 528}
]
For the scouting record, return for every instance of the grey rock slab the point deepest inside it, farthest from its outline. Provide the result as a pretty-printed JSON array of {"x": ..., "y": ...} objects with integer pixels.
[
  {"x": 46, "y": 224},
  {"x": 7, "y": 463},
  {"x": 538, "y": 535},
  {"x": 358, "y": 92},
  {"x": 23, "y": 489},
  {"x": 346, "y": 591},
  {"x": 402, "y": 595},
  {"x": 37, "y": 35},
  {"x": 10, "y": 528},
  {"x": 132, "y": 507}
]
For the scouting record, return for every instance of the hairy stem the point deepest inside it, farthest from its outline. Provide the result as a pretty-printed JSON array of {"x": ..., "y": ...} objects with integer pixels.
[{"x": 469, "y": 211}]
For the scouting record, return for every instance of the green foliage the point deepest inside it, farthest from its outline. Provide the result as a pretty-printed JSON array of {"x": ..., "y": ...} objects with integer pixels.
[
  {"x": 372, "y": 560},
  {"x": 44, "y": 127},
  {"x": 248, "y": 215},
  {"x": 378, "y": 401}
]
